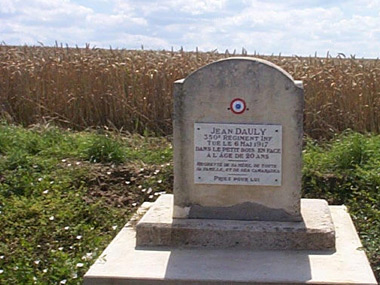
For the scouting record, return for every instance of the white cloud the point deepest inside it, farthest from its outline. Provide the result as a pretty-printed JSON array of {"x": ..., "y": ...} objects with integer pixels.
[
  {"x": 122, "y": 6},
  {"x": 290, "y": 27},
  {"x": 101, "y": 21},
  {"x": 8, "y": 6},
  {"x": 197, "y": 7},
  {"x": 148, "y": 7}
]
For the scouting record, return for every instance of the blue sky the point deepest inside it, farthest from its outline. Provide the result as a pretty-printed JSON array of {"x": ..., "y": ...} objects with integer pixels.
[{"x": 293, "y": 27}]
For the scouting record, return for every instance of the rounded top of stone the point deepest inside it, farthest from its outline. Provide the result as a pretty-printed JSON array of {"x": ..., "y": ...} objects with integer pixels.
[{"x": 244, "y": 59}]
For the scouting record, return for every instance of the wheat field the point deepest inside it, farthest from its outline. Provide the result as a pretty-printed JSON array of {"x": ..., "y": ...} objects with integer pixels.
[{"x": 131, "y": 90}]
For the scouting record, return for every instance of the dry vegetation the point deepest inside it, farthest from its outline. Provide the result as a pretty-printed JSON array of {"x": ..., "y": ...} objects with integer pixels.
[{"x": 132, "y": 90}]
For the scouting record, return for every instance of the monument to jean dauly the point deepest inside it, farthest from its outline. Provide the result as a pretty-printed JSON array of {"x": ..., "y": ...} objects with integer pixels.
[
  {"x": 237, "y": 157},
  {"x": 238, "y": 139}
]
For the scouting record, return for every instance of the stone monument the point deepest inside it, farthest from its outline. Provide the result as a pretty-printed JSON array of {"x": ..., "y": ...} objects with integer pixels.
[
  {"x": 238, "y": 142},
  {"x": 237, "y": 157},
  {"x": 236, "y": 215}
]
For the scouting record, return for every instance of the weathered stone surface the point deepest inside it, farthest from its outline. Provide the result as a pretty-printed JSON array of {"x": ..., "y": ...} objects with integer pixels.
[
  {"x": 272, "y": 98},
  {"x": 123, "y": 263},
  {"x": 158, "y": 228}
]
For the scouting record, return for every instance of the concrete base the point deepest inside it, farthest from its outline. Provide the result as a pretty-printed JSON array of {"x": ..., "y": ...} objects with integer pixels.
[
  {"x": 123, "y": 263},
  {"x": 315, "y": 231}
]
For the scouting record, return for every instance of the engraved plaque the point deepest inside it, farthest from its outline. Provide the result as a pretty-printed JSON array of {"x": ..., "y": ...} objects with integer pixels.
[{"x": 237, "y": 154}]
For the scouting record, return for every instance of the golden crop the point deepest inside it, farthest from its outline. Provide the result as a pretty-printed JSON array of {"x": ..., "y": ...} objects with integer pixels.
[{"x": 132, "y": 90}]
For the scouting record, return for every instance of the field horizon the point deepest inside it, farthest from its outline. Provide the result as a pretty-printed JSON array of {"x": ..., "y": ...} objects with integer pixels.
[
  {"x": 238, "y": 51},
  {"x": 131, "y": 90}
]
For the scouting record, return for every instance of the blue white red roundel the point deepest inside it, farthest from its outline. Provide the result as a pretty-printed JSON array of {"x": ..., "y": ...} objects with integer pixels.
[{"x": 238, "y": 106}]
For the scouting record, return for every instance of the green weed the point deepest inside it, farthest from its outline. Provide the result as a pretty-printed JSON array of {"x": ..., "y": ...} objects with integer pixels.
[
  {"x": 102, "y": 148},
  {"x": 347, "y": 171},
  {"x": 63, "y": 198}
]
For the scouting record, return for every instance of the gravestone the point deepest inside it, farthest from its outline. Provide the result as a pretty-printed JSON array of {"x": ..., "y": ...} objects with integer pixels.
[
  {"x": 237, "y": 164},
  {"x": 237, "y": 142}
]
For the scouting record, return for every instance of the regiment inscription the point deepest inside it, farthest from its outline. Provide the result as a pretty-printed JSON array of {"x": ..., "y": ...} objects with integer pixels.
[{"x": 237, "y": 154}]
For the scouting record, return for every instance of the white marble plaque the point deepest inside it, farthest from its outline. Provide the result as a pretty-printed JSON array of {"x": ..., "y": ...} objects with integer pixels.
[{"x": 237, "y": 154}]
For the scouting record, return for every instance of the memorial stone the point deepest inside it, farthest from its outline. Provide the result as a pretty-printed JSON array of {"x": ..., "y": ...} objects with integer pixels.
[{"x": 237, "y": 142}]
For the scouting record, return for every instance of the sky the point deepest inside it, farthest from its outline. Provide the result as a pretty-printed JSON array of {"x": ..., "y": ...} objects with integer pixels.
[{"x": 293, "y": 27}]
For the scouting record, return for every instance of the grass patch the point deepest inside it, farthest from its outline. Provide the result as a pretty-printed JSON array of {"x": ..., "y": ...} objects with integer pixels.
[
  {"x": 64, "y": 195},
  {"x": 347, "y": 171},
  {"x": 104, "y": 149}
]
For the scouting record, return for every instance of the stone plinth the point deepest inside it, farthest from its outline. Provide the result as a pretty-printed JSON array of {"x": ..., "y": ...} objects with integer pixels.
[
  {"x": 316, "y": 231},
  {"x": 124, "y": 263}
]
